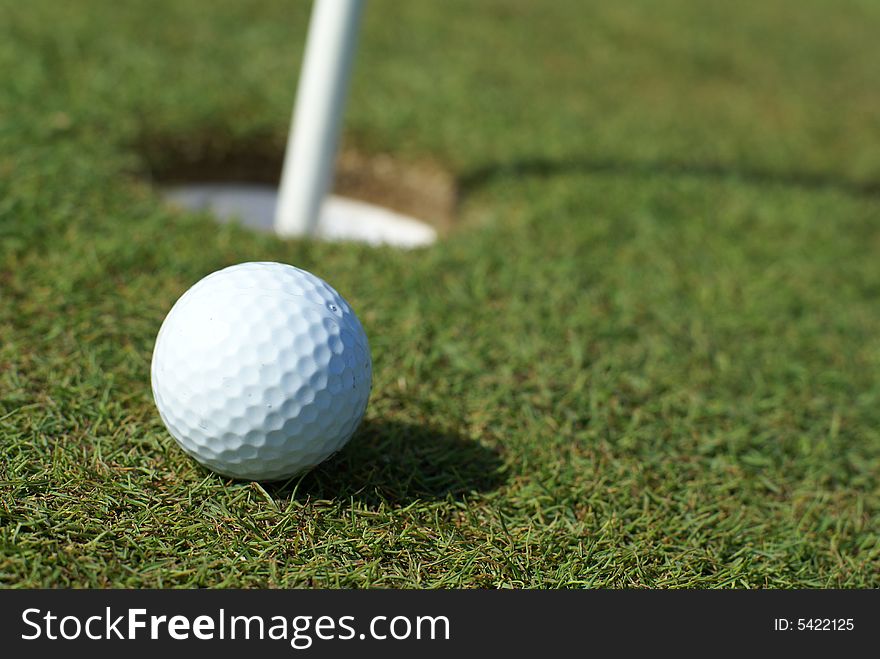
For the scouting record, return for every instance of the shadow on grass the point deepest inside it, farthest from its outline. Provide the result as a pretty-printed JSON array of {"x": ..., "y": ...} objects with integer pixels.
[
  {"x": 397, "y": 463},
  {"x": 545, "y": 168}
]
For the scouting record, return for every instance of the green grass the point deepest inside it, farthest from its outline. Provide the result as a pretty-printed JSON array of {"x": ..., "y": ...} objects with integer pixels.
[{"x": 647, "y": 356}]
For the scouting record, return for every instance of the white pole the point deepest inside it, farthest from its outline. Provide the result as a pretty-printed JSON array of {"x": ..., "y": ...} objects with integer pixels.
[{"x": 317, "y": 115}]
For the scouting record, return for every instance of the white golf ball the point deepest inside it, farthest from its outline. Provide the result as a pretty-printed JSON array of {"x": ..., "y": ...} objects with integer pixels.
[{"x": 261, "y": 371}]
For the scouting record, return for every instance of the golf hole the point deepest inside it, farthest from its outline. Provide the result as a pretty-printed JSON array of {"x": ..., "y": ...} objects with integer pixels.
[{"x": 376, "y": 199}]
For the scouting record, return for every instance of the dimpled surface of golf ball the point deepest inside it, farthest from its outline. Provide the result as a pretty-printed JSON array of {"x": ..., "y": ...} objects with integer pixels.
[{"x": 261, "y": 371}]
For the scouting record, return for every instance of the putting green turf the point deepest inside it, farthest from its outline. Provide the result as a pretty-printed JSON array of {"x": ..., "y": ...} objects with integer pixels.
[{"x": 648, "y": 354}]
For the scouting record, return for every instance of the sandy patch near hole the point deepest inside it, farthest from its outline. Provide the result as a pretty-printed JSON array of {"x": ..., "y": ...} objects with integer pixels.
[{"x": 420, "y": 189}]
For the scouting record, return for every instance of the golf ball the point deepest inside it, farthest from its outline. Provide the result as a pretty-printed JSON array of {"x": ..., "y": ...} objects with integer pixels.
[{"x": 261, "y": 371}]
